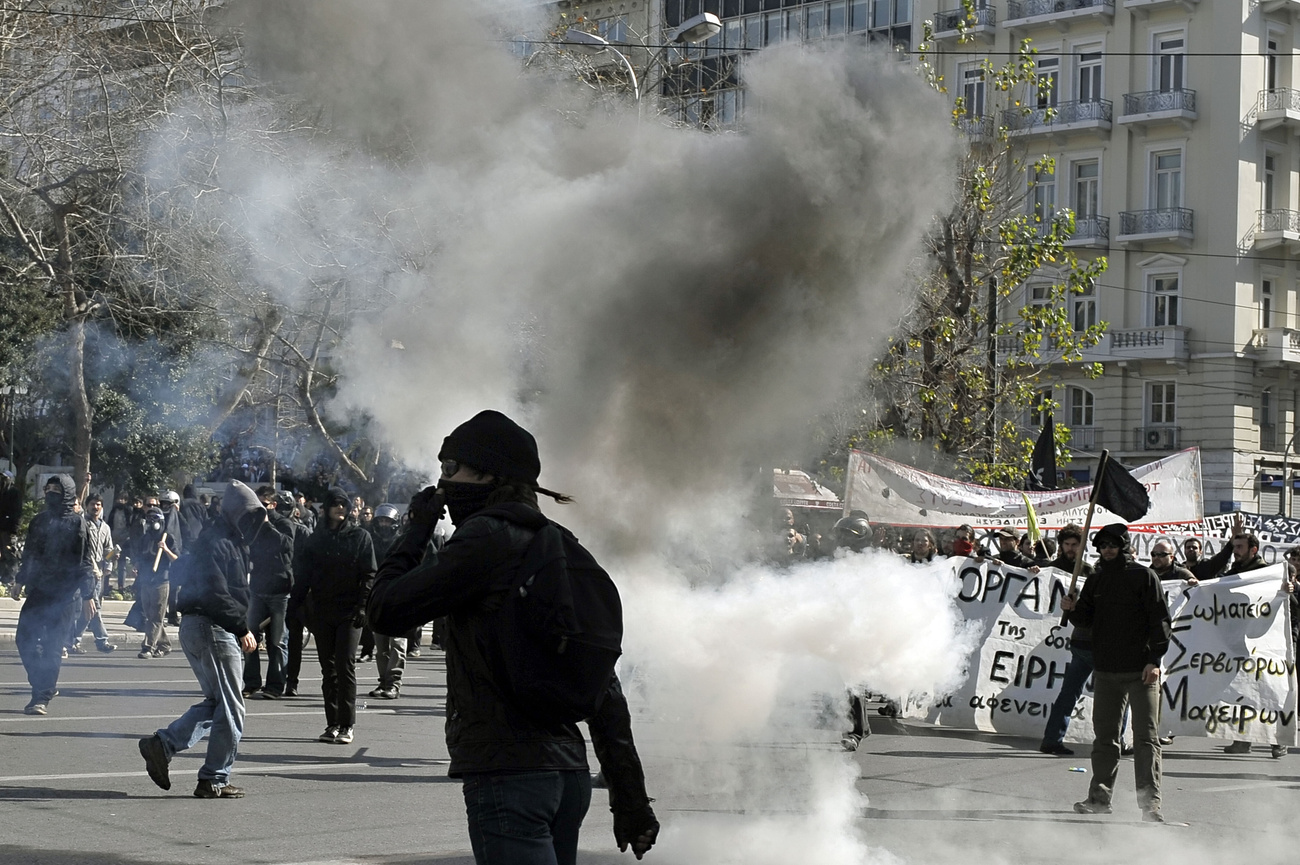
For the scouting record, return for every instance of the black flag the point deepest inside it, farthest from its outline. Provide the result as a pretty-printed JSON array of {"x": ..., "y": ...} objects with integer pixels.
[
  {"x": 1042, "y": 465},
  {"x": 1119, "y": 492}
]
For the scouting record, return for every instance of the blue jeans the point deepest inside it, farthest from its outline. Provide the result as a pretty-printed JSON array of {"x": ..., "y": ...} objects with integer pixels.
[
  {"x": 43, "y": 628},
  {"x": 1076, "y": 676},
  {"x": 218, "y": 664},
  {"x": 527, "y": 818},
  {"x": 260, "y": 608}
]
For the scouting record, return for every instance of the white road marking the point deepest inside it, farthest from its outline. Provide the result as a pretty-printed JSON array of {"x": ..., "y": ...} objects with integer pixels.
[
  {"x": 240, "y": 769},
  {"x": 1253, "y": 785},
  {"x": 53, "y": 719}
]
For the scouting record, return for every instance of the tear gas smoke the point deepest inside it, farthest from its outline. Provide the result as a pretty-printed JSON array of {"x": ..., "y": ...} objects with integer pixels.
[{"x": 662, "y": 307}]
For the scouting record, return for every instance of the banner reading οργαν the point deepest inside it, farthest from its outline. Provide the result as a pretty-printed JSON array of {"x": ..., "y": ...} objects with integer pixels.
[
  {"x": 894, "y": 493},
  {"x": 1229, "y": 672}
]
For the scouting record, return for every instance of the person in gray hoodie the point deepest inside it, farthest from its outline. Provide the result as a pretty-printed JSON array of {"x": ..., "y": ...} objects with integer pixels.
[{"x": 214, "y": 633}]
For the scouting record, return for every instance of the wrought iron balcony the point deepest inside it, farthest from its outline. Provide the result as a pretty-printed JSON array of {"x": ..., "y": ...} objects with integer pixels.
[
  {"x": 1090, "y": 231},
  {"x": 1094, "y": 114},
  {"x": 1022, "y": 12},
  {"x": 1153, "y": 105},
  {"x": 1172, "y": 223},
  {"x": 1157, "y": 438},
  {"x": 1143, "y": 5},
  {"x": 1274, "y": 227},
  {"x": 1275, "y": 346},
  {"x": 1276, "y": 107},
  {"x": 948, "y": 24},
  {"x": 1166, "y": 342},
  {"x": 976, "y": 127},
  {"x": 1085, "y": 438}
]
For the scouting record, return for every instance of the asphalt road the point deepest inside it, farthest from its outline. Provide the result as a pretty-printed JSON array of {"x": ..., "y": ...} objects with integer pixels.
[{"x": 73, "y": 789}]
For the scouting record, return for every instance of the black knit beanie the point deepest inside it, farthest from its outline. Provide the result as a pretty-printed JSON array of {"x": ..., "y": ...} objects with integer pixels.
[{"x": 493, "y": 443}]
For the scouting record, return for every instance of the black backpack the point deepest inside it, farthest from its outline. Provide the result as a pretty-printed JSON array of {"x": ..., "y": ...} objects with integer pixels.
[{"x": 560, "y": 625}]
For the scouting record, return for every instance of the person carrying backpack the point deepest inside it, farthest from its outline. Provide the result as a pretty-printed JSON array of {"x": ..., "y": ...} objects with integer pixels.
[{"x": 514, "y": 585}]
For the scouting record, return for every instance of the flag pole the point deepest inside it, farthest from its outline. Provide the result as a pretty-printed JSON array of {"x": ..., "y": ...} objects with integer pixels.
[{"x": 1087, "y": 524}]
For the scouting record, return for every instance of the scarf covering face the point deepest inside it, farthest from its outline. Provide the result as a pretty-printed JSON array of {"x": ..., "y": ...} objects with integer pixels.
[{"x": 464, "y": 499}]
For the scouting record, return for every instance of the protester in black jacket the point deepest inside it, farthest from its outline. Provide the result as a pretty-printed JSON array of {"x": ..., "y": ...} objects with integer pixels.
[
  {"x": 295, "y": 627},
  {"x": 193, "y": 516},
  {"x": 331, "y": 585},
  {"x": 1125, "y": 607},
  {"x": 1009, "y": 554},
  {"x": 271, "y": 553},
  {"x": 215, "y": 636},
  {"x": 524, "y": 784},
  {"x": 58, "y": 562}
]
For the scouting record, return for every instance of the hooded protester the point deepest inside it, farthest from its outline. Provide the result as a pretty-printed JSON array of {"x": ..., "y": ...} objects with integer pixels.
[
  {"x": 390, "y": 652},
  {"x": 215, "y": 636},
  {"x": 1123, "y": 604},
  {"x": 154, "y": 555},
  {"x": 272, "y": 561},
  {"x": 331, "y": 585},
  {"x": 527, "y": 785},
  {"x": 294, "y": 626},
  {"x": 58, "y": 563},
  {"x": 193, "y": 516}
]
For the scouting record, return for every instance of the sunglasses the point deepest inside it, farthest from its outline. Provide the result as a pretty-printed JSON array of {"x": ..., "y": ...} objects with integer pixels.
[
  {"x": 1107, "y": 545},
  {"x": 1159, "y": 555},
  {"x": 450, "y": 468}
]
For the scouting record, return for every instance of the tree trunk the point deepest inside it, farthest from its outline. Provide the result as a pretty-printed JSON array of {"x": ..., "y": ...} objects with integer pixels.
[{"x": 82, "y": 417}]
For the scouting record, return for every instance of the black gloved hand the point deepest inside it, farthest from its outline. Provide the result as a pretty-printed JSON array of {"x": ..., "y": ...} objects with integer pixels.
[
  {"x": 359, "y": 620},
  {"x": 426, "y": 506},
  {"x": 638, "y": 828}
]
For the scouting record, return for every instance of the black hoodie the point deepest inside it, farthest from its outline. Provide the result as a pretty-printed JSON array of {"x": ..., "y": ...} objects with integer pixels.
[
  {"x": 57, "y": 558},
  {"x": 216, "y": 574},
  {"x": 335, "y": 569}
]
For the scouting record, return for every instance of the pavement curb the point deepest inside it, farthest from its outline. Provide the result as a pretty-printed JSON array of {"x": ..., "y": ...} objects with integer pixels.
[{"x": 113, "y": 615}]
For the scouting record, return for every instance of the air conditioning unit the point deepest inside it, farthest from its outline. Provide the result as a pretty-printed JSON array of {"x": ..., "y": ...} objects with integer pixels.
[{"x": 1159, "y": 438}]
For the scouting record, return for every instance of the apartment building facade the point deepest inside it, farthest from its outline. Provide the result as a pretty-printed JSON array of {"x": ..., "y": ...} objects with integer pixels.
[{"x": 1174, "y": 126}]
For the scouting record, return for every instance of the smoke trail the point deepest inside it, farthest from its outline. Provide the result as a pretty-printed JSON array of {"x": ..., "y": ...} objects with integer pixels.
[{"x": 661, "y": 306}]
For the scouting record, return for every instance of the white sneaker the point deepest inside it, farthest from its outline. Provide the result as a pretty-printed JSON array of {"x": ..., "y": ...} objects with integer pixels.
[{"x": 344, "y": 736}]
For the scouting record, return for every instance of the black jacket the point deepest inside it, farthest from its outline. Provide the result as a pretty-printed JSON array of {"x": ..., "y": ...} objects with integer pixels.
[
  {"x": 1016, "y": 559},
  {"x": 193, "y": 517},
  {"x": 58, "y": 560},
  {"x": 11, "y": 509},
  {"x": 143, "y": 553},
  {"x": 485, "y": 731},
  {"x": 216, "y": 570},
  {"x": 1123, "y": 604},
  {"x": 333, "y": 575},
  {"x": 271, "y": 554}
]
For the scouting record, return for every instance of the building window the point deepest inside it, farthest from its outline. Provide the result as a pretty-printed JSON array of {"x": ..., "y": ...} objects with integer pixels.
[
  {"x": 1167, "y": 180},
  {"x": 1266, "y": 303},
  {"x": 1084, "y": 311},
  {"x": 1038, "y": 294},
  {"x": 1088, "y": 76},
  {"x": 1049, "y": 74},
  {"x": 972, "y": 90},
  {"x": 1043, "y": 194},
  {"x": 1169, "y": 62},
  {"x": 1164, "y": 300},
  {"x": 612, "y": 29},
  {"x": 1160, "y": 403},
  {"x": 1270, "y": 181},
  {"x": 1270, "y": 65},
  {"x": 815, "y": 21},
  {"x": 1041, "y": 408},
  {"x": 835, "y": 23},
  {"x": 773, "y": 25},
  {"x": 1080, "y": 407},
  {"x": 1087, "y": 188}
]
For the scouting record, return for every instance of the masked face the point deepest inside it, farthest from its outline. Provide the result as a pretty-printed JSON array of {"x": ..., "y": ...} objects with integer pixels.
[
  {"x": 155, "y": 525},
  {"x": 464, "y": 499},
  {"x": 53, "y": 497}
]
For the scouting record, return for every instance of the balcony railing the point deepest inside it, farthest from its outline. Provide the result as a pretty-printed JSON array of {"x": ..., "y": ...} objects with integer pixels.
[
  {"x": 1158, "y": 342},
  {"x": 1160, "y": 102},
  {"x": 1047, "y": 9},
  {"x": 974, "y": 126},
  {"x": 1094, "y": 113},
  {"x": 1085, "y": 438},
  {"x": 1275, "y": 345},
  {"x": 949, "y": 23},
  {"x": 1157, "y": 438},
  {"x": 1090, "y": 231},
  {"x": 1166, "y": 222}
]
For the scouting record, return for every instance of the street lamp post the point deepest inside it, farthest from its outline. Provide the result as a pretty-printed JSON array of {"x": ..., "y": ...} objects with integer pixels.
[
  {"x": 697, "y": 28},
  {"x": 10, "y": 391}
]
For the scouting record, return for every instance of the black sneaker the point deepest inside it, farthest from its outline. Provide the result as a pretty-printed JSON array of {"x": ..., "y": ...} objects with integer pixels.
[
  {"x": 343, "y": 736},
  {"x": 155, "y": 760},
  {"x": 330, "y": 736},
  {"x": 1152, "y": 816},
  {"x": 106, "y": 648},
  {"x": 36, "y": 708},
  {"x": 377, "y": 691},
  {"x": 206, "y": 790},
  {"x": 1057, "y": 749},
  {"x": 413, "y": 652},
  {"x": 1277, "y": 752},
  {"x": 76, "y": 649},
  {"x": 1237, "y": 748},
  {"x": 290, "y": 691},
  {"x": 268, "y": 695},
  {"x": 1091, "y": 806},
  {"x": 387, "y": 694},
  {"x": 1125, "y": 750}
]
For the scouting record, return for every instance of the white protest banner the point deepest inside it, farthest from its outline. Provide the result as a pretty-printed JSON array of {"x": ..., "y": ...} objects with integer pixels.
[
  {"x": 1230, "y": 666},
  {"x": 891, "y": 492}
]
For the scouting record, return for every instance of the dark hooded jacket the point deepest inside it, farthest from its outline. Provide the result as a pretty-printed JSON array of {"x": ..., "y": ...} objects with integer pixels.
[
  {"x": 216, "y": 572},
  {"x": 1123, "y": 604},
  {"x": 334, "y": 572},
  {"x": 272, "y": 556},
  {"x": 193, "y": 516},
  {"x": 58, "y": 559},
  {"x": 465, "y": 581}
]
